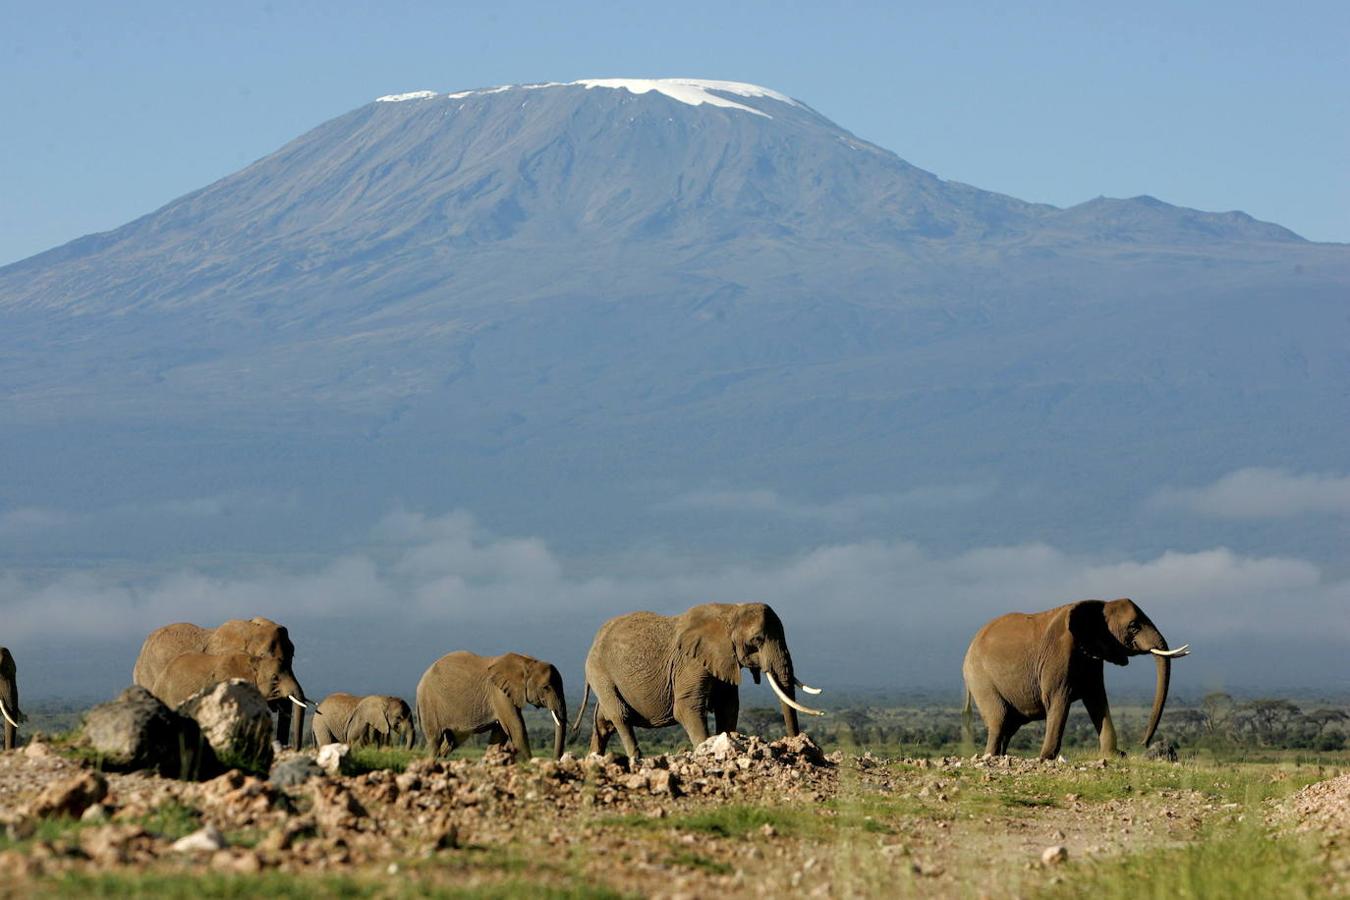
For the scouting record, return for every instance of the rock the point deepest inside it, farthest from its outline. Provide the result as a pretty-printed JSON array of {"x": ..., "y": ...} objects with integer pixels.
[
  {"x": 726, "y": 745},
  {"x": 293, "y": 771},
  {"x": 1054, "y": 856},
  {"x": 1162, "y": 750},
  {"x": 135, "y": 731},
  {"x": 235, "y": 721},
  {"x": 95, "y": 814},
  {"x": 333, "y": 758},
  {"x": 70, "y": 796},
  {"x": 112, "y": 844},
  {"x": 37, "y": 749},
  {"x": 447, "y": 837},
  {"x": 207, "y": 839},
  {"x": 335, "y": 808}
]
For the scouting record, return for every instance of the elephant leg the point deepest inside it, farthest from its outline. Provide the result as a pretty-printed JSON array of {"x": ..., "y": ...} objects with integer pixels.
[
  {"x": 693, "y": 718},
  {"x": 1056, "y": 716},
  {"x": 601, "y": 731},
  {"x": 1099, "y": 711},
  {"x": 443, "y": 744},
  {"x": 726, "y": 709},
  {"x": 1000, "y": 721},
  {"x": 611, "y": 705},
  {"x": 284, "y": 723}
]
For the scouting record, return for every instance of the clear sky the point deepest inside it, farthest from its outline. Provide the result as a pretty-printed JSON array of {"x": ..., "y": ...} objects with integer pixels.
[{"x": 111, "y": 110}]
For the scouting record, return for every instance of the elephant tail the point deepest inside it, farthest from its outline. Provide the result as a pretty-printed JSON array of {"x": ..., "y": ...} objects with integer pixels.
[
  {"x": 967, "y": 718},
  {"x": 581, "y": 710}
]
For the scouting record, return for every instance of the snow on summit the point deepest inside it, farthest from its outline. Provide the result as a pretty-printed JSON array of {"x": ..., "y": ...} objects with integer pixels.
[{"x": 692, "y": 91}]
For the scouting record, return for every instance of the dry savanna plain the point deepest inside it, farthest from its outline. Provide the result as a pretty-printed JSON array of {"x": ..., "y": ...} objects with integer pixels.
[{"x": 743, "y": 816}]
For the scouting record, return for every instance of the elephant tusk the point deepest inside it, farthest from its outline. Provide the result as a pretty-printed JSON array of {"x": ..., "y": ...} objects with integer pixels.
[
  {"x": 1183, "y": 650},
  {"x": 556, "y": 720},
  {"x": 5, "y": 713},
  {"x": 302, "y": 704},
  {"x": 789, "y": 701},
  {"x": 806, "y": 687}
]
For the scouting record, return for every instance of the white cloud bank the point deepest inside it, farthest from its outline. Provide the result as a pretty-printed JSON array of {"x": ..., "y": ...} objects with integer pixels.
[
  {"x": 846, "y": 510},
  {"x": 1258, "y": 493},
  {"x": 423, "y": 571}
]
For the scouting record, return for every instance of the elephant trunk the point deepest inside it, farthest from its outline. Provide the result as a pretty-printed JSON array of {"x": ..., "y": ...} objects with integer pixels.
[
  {"x": 559, "y": 728},
  {"x": 411, "y": 733},
  {"x": 1159, "y": 694},
  {"x": 293, "y": 707},
  {"x": 777, "y": 662}
]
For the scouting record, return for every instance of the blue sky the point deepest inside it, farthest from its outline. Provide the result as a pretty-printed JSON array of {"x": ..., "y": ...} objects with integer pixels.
[{"x": 112, "y": 110}]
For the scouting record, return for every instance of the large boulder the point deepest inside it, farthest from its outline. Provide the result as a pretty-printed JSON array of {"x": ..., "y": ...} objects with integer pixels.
[
  {"x": 136, "y": 731},
  {"x": 235, "y": 721}
]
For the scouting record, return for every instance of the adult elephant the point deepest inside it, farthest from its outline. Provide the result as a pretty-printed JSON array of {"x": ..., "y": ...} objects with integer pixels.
[
  {"x": 1021, "y": 668},
  {"x": 463, "y": 693},
  {"x": 650, "y": 671},
  {"x": 9, "y": 698},
  {"x": 376, "y": 719},
  {"x": 258, "y": 636},
  {"x": 189, "y": 673}
]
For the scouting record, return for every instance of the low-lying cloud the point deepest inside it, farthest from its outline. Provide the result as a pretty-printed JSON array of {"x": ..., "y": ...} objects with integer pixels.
[
  {"x": 435, "y": 579},
  {"x": 1257, "y": 493}
]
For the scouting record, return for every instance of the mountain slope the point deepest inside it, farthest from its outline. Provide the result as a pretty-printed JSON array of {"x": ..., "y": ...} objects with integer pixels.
[{"x": 608, "y": 293}]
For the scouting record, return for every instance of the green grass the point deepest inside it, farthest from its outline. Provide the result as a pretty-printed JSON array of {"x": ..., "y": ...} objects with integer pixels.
[
  {"x": 172, "y": 820},
  {"x": 210, "y": 885},
  {"x": 370, "y": 759},
  {"x": 1246, "y": 863},
  {"x": 690, "y": 860},
  {"x": 732, "y": 821}
]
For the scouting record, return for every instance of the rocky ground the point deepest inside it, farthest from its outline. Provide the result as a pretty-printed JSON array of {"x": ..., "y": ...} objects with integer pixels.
[
  {"x": 737, "y": 817},
  {"x": 1321, "y": 811}
]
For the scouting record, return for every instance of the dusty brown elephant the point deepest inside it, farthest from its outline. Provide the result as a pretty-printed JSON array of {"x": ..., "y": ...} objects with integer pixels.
[
  {"x": 650, "y": 671},
  {"x": 9, "y": 698},
  {"x": 463, "y": 693},
  {"x": 189, "y": 673},
  {"x": 1021, "y": 668},
  {"x": 376, "y": 719},
  {"x": 254, "y": 637}
]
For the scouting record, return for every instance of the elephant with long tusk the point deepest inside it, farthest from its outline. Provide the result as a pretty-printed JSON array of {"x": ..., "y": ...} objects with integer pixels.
[
  {"x": 650, "y": 671},
  {"x": 9, "y": 698},
  {"x": 1021, "y": 668}
]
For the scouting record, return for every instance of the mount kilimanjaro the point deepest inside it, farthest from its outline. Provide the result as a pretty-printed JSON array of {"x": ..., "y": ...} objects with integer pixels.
[{"x": 562, "y": 305}]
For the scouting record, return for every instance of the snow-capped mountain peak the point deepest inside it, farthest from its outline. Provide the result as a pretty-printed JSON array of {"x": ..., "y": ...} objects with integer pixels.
[{"x": 690, "y": 91}]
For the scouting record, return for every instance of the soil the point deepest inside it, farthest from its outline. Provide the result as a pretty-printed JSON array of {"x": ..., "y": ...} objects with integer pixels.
[{"x": 739, "y": 818}]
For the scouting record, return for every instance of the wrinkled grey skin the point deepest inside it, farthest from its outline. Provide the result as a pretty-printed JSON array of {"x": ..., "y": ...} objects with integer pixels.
[
  {"x": 1026, "y": 667},
  {"x": 258, "y": 636},
  {"x": 9, "y": 693},
  {"x": 651, "y": 671},
  {"x": 376, "y": 719},
  {"x": 189, "y": 673},
  {"x": 463, "y": 693}
]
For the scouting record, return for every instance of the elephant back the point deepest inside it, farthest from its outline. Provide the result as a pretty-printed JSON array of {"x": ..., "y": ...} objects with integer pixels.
[{"x": 162, "y": 646}]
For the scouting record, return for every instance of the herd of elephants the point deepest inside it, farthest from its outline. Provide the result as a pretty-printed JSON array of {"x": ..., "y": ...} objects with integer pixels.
[{"x": 650, "y": 671}]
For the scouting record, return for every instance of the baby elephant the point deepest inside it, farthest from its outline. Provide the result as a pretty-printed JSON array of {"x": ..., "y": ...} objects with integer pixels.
[
  {"x": 464, "y": 693},
  {"x": 377, "y": 719}
]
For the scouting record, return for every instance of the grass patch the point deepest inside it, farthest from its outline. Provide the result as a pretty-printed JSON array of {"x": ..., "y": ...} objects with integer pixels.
[
  {"x": 188, "y": 886},
  {"x": 172, "y": 820},
  {"x": 1249, "y": 863},
  {"x": 737, "y": 820},
  {"x": 690, "y": 860},
  {"x": 370, "y": 759}
]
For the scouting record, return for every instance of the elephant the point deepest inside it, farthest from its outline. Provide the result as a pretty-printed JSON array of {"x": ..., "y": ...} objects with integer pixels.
[
  {"x": 189, "y": 673},
  {"x": 463, "y": 693},
  {"x": 650, "y": 671},
  {"x": 9, "y": 698},
  {"x": 255, "y": 637},
  {"x": 1025, "y": 667},
  {"x": 377, "y": 719}
]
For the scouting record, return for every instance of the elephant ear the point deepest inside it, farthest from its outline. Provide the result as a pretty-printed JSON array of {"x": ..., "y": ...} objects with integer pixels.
[
  {"x": 1087, "y": 624},
  {"x": 508, "y": 673},
  {"x": 705, "y": 637}
]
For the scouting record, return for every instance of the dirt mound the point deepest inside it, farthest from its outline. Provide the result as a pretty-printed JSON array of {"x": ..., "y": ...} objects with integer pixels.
[{"x": 1322, "y": 810}]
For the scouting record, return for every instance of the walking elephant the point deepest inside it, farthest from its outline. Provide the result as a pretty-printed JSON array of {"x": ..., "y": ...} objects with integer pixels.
[
  {"x": 9, "y": 698},
  {"x": 189, "y": 673},
  {"x": 377, "y": 719},
  {"x": 258, "y": 636},
  {"x": 463, "y": 693},
  {"x": 1021, "y": 668},
  {"x": 650, "y": 671}
]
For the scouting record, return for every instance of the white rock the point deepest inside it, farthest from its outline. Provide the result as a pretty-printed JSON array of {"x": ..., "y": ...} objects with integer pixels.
[
  {"x": 235, "y": 721},
  {"x": 1053, "y": 856},
  {"x": 207, "y": 839},
  {"x": 722, "y": 746},
  {"x": 331, "y": 756}
]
